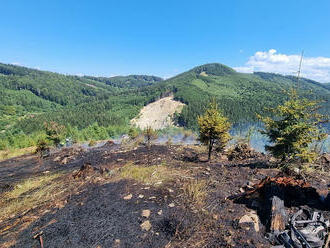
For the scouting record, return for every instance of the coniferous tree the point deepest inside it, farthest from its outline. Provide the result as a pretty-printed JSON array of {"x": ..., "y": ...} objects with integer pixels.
[
  {"x": 213, "y": 128},
  {"x": 54, "y": 132},
  {"x": 293, "y": 127}
]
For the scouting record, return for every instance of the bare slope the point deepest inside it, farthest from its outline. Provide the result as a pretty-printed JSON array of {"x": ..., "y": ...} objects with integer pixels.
[{"x": 158, "y": 114}]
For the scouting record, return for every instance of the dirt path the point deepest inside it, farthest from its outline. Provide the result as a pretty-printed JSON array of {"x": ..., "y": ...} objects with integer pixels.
[{"x": 158, "y": 114}]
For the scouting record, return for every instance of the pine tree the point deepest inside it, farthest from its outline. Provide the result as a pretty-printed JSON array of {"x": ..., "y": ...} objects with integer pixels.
[
  {"x": 292, "y": 128},
  {"x": 54, "y": 132},
  {"x": 213, "y": 128}
]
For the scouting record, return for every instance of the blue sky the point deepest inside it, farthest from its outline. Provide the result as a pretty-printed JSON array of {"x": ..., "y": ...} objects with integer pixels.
[{"x": 165, "y": 37}]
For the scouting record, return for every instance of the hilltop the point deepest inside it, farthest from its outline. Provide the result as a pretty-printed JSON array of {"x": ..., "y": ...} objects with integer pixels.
[
  {"x": 100, "y": 107},
  {"x": 129, "y": 195}
]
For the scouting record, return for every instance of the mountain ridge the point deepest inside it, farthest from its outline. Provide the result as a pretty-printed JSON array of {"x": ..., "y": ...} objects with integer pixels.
[{"x": 32, "y": 97}]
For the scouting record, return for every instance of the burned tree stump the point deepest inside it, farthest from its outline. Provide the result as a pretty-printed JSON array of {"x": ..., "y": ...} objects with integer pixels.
[
  {"x": 278, "y": 215},
  {"x": 272, "y": 195}
]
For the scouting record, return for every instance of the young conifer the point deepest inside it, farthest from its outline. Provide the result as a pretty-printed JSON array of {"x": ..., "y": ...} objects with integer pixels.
[
  {"x": 213, "y": 128},
  {"x": 293, "y": 126}
]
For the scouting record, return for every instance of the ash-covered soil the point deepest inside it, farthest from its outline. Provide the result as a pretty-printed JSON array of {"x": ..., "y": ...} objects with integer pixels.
[{"x": 121, "y": 196}]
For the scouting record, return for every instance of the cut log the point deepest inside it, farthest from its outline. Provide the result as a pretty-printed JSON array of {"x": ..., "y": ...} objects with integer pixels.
[{"x": 278, "y": 215}]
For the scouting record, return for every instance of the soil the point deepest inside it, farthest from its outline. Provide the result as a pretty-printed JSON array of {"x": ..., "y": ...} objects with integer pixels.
[
  {"x": 158, "y": 114},
  {"x": 105, "y": 211}
]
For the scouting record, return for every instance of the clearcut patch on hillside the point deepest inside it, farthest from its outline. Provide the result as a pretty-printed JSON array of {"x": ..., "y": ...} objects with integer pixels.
[{"x": 158, "y": 114}]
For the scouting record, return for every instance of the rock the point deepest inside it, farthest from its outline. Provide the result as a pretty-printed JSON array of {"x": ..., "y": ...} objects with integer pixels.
[
  {"x": 152, "y": 197},
  {"x": 119, "y": 159},
  {"x": 170, "y": 190},
  {"x": 57, "y": 159},
  {"x": 251, "y": 217},
  {"x": 64, "y": 160},
  {"x": 141, "y": 196},
  {"x": 146, "y": 213},
  {"x": 224, "y": 157},
  {"x": 128, "y": 197},
  {"x": 171, "y": 205},
  {"x": 272, "y": 160},
  {"x": 146, "y": 225},
  {"x": 160, "y": 212}
]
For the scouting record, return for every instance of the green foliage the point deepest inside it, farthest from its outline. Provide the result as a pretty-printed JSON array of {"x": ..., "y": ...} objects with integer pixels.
[
  {"x": 55, "y": 132},
  {"x": 131, "y": 81},
  {"x": 293, "y": 127},
  {"x": 98, "y": 108},
  {"x": 133, "y": 133},
  {"x": 239, "y": 95},
  {"x": 42, "y": 148},
  {"x": 213, "y": 128}
]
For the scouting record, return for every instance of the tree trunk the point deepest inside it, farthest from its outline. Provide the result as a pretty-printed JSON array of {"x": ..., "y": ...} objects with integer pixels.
[
  {"x": 278, "y": 215},
  {"x": 210, "y": 149}
]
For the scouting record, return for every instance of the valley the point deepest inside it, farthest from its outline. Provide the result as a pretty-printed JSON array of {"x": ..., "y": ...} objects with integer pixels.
[{"x": 31, "y": 97}]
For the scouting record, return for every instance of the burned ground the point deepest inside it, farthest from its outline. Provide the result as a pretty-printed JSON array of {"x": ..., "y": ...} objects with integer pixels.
[{"x": 124, "y": 196}]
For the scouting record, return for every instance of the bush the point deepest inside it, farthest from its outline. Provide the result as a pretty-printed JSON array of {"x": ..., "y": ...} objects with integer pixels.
[
  {"x": 92, "y": 143},
  {"x": 133, "y": 133},
  {"x": 42, "y": 148},
  {"x": 55, "y": 132}
]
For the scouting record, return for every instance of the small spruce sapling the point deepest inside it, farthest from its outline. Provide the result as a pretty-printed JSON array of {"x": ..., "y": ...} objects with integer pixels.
[
  {"x": 213, "y": 128},
  {"x": 293, "y": 127}
]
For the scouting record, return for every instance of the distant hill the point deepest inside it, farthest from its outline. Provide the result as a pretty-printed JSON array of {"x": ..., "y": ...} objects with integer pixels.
[
  {"x": 99, "y": 107},
  {"x": 327, "y": 85},
  {"x": 130, "y": 81},
  {"x": 239, "y": 95}
]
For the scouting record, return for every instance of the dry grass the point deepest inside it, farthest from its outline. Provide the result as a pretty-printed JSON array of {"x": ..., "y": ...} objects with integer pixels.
[
  {"x": 6, "y": 154},
  {"x": 195, "y": 192},
  {"x": 148, "y": 174},
  {"x": 30, "y": 193}
]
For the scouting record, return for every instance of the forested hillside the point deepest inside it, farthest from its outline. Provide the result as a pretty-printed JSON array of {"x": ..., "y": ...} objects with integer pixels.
[
  {"x": 239, "y": 95},
  {"x": 100, "y": 107}
]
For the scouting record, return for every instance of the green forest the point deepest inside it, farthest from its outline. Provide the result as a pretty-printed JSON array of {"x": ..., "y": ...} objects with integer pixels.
[{"x": 101, "y": 107}]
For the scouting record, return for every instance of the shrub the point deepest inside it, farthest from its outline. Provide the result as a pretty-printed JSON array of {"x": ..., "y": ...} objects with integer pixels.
[{"x": 92, "y": 143}]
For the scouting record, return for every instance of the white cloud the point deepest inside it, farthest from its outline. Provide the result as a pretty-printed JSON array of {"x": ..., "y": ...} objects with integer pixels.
[{"x": 316, "y": 68}]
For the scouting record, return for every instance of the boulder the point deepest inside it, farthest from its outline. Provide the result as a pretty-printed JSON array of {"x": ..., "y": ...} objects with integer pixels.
[{"x": 252, "y": 218}]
